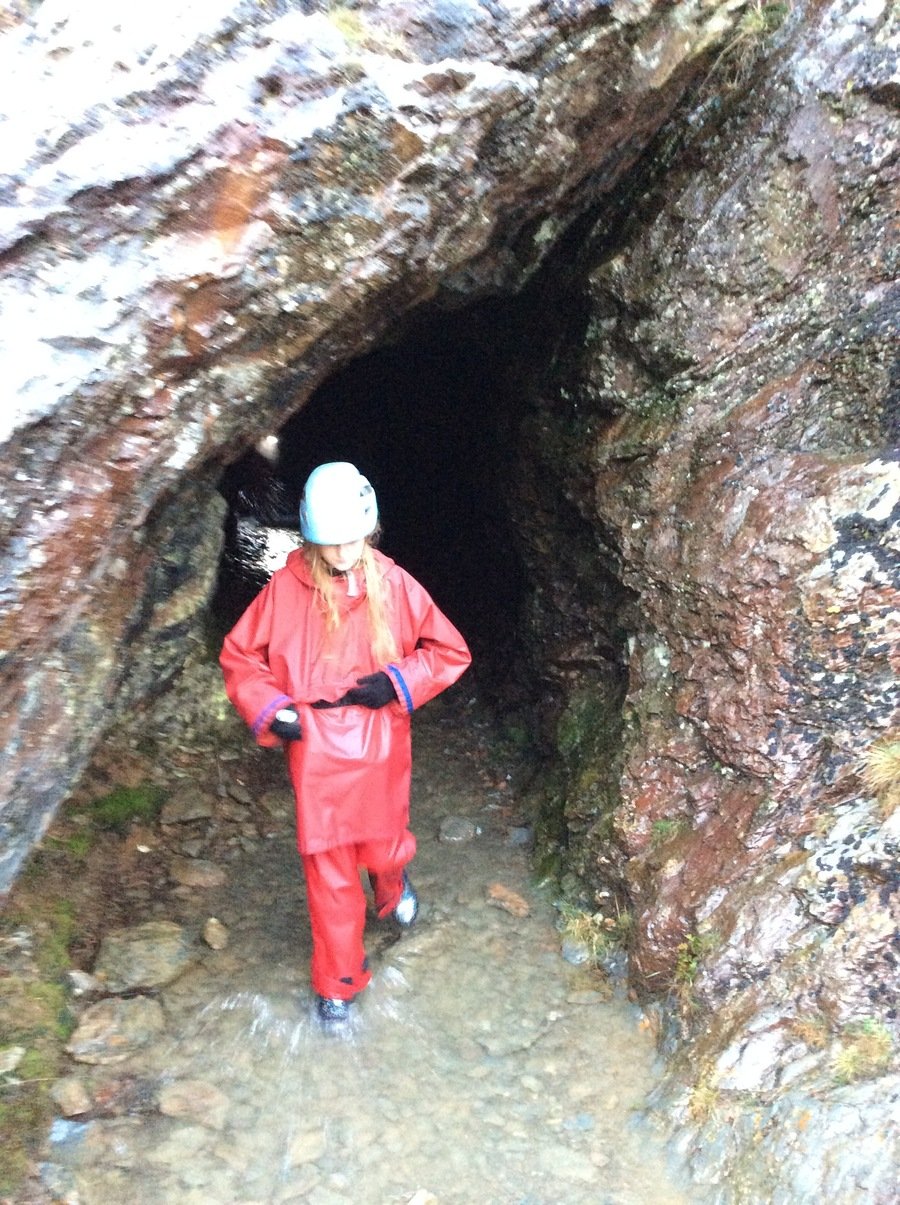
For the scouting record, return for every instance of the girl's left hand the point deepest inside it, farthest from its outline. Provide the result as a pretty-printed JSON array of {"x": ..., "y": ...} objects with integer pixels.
[{"x": 374, "y": 690}]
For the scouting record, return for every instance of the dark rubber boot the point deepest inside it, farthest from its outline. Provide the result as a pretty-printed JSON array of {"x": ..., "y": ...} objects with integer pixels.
[{"x": 332, "y": 1013}]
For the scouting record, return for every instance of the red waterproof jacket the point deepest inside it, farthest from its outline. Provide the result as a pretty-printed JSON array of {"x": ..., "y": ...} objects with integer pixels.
[{"x": 351, "y": 770}]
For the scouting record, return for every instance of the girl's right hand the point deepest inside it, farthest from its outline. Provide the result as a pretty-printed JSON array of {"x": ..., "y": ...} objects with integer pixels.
[{"x": 286, "y": 725}]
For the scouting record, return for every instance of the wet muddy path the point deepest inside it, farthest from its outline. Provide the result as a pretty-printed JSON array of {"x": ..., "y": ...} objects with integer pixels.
[{"x": 480, "y": 1066}]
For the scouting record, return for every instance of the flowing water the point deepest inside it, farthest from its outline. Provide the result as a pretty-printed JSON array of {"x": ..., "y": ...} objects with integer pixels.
[{"x": 480, "y": 1066}]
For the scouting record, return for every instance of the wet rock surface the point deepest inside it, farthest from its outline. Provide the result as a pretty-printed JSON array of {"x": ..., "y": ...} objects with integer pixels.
[
  {"x": 734, "y": 452},
  {"x": 471, "y": 1069}
]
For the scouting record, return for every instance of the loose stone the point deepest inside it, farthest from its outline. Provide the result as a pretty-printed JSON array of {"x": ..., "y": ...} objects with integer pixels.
[
  {"x": 197, "y": 873},
  {"x": 71, "y": 1096},
  {"x": 10, "y": 1057},
  {"x": 147, "y": 956},
  {"x": 457, "y": 829},
  {"x": 195, "y": 1100},
  {"x": 575, "y": 952},
  {"x": 215, "y": 934},
  {"x": 83, "y": 984},
  {"x": 111, "y": 1030},
  {"x": 240, "y": 793},
  {"x": 510, "y": 901},
  {"x": 186, "y": 805},
  {"x": 307, "y": 1147}
]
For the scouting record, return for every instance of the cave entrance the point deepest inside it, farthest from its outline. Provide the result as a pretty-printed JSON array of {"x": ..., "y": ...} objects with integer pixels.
[
  {"x": 429, "y": 419},
  {"x": 475, "y": 428}
]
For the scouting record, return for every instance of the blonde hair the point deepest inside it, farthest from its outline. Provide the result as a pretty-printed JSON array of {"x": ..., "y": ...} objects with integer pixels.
[{"x": 384, "y": 646}]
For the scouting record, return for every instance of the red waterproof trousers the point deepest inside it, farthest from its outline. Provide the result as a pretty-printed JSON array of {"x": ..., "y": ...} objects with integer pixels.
[{"x": 337, "y": 907}]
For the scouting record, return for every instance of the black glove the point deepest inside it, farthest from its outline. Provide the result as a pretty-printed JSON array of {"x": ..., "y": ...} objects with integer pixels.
[
  {"x": 286, "y": 725},
  {"x": 374, "y": 690}
]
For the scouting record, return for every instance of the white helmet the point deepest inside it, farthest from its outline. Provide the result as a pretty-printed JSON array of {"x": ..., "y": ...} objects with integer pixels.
[{"x": 338, "y": 505}]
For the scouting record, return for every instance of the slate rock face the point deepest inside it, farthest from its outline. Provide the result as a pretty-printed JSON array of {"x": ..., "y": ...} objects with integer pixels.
[
  {"x": 733, "y": 461},
  {"x": 204, "y": 210},
  {"x": 760, "y": 532}
]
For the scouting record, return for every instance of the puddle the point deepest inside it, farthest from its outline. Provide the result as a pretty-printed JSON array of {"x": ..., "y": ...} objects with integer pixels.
[{"x": 480, "y": 1066}]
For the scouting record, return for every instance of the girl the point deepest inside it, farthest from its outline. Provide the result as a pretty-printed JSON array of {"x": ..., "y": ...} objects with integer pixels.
[{"x": 331, "y": 658}]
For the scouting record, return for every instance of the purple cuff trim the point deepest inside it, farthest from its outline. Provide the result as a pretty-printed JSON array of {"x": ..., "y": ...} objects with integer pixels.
[{"x": 262, "y": 720}]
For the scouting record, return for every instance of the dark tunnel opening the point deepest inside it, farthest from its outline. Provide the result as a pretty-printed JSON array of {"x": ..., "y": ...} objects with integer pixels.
[
  {"x": 426, "y": 419},
  {"x": 472, "y": 427}
]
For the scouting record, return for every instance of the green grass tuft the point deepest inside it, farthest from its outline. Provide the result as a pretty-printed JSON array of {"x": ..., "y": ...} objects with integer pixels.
[
  {"x": 866, "y": 1051},
  {"x": 78, "y": 845},
  {"x": 663, "y": 831},
  {"x": 597, "y": 933},
  {"x": 121, "y": 807},
  {"x": 759, "y": 22},
  {"x": 880, "y": 772}
]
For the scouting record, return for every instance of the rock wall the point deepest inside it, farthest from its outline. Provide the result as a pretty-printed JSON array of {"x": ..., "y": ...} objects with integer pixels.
[
  {"x": 727, "y": 432},
  {"x": 213, "y": 206},
  {"x": 205, "y": 210}
]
